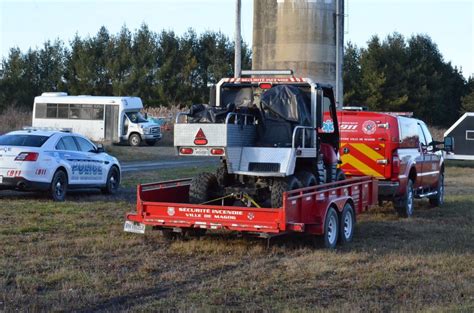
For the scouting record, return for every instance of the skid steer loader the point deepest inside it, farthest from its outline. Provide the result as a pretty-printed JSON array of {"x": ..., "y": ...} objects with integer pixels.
[{"x": 273, "y": 133}]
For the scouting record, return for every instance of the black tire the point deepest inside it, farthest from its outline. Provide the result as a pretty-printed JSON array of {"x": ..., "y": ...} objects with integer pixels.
[
  {"x": 113, "y": 182},
  {"x": 281, "y": 185},
  {"x": 134, "y": 140},
  {"x": 404, "y": 206},
  {"x": 307, "y": 179},
  {"x": 169, "y": 234},
  {"x": 331, "y": 229},
  {"x": 196, "y": 232},
  {"x": 203, "y": 188},
  {"x": 58, "y": 188},
  {"x": 340, "y": 175},
  {"x": 438, "y": 199},
  {"x": 346, "y": 224},
  {"x": 223, "y": 177},
  {"x": 150, "y": 142}
]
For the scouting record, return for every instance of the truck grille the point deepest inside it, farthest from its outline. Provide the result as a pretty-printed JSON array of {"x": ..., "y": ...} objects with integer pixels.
[
  {"x": 264, "y": 167},
  {"x": 155, "y": 130}
]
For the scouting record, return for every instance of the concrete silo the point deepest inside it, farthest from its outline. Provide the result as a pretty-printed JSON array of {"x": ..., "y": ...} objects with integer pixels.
[{"x": 302, "y": 35}]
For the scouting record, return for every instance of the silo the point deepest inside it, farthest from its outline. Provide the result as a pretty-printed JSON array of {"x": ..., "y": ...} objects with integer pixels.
[{"x": 302, "y": 35}]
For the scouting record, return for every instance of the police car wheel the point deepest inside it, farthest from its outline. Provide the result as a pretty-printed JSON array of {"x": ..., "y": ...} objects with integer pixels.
[
  {"x": 113, "y": 181},
  {"x": 59, "y": 186}
]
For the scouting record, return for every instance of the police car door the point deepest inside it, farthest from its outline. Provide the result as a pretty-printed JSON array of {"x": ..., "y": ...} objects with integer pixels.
[
  {"x": 91, "y": 168},
  {"x": 68, "y": 152}
]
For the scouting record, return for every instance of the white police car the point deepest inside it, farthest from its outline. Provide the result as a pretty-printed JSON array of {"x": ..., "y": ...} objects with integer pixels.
[{"x": 55, "y": 161}]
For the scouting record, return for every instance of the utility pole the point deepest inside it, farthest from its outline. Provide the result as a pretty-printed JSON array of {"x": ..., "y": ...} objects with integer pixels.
[{"x": 238, "y": 41}]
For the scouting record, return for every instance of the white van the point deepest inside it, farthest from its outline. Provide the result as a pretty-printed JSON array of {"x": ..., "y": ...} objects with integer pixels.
[{"x": 113, "y": 119}]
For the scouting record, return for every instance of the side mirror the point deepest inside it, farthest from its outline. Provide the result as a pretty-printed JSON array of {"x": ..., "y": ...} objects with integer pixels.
[
  {"x": 100, "y": 148},
  {"x": 449, "y": 144}
]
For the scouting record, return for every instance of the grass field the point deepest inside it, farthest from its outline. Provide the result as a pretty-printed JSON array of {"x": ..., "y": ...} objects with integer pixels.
[{"x": 74, "y": 256}]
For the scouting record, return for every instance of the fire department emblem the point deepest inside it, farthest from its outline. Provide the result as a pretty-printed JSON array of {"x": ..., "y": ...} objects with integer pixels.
[
  {"x": 250, "y": 216},
  {"x": 171, "y": 211},
  {"x": 369, "y": 127}
]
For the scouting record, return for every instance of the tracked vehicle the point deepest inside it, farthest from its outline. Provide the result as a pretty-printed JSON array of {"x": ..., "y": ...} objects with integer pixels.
[{"x": 273, "y": 134}]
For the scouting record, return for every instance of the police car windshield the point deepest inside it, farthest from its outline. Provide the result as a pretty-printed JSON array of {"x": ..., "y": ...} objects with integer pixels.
[
  {"x": 136, "y": 117},
  {"x": 23, "y": 140}
]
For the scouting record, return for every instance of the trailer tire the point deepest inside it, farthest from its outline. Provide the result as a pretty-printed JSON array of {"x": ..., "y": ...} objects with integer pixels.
[
  {"x": 134, "y": 140},
  {"x": 169, "y": 234},
  {"x": 58, "y": 188},
  {"x": 331, "y": 229},
  {"x": 404, "y": 206},
  {"x": 307, "y": 179},
  {"x": 281, "y": 185},
  {"x": 347, "y": 223},
  {"x": 203, "y": 188},
  {"x": 438, "y": 199},
  {"x": 150, "y": 142},
  {"x": 196, "y": 232}
]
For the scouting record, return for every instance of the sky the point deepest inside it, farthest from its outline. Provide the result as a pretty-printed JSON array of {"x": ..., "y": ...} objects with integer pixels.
[{"x": 29, "y": 23}]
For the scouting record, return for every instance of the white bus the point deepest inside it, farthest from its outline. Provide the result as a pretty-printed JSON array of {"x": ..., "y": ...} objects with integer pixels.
[{"x": 112, "y": 119}]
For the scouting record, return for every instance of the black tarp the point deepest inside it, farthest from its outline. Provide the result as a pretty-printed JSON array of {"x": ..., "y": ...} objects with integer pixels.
[{"x": 288, "y": 103}]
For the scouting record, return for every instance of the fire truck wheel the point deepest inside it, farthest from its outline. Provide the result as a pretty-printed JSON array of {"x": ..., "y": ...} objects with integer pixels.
[
  {"x": 347, "y": 224},
  {"x": 340, "y": 175},
  {"x": 58, "y": 187},
  {"x": 306, "y": 178},
  {"x": 203, "y": 188},
  {"x": 331, "y": 229},
  {"x": 438, "y": 199},
  {"x": 404, "y": 206},
  {"x": 280, "y": 185}
]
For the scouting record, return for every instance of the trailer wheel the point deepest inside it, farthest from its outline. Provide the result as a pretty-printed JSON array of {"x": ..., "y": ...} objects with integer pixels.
[
  {"x": 196, "y": 232},
  {"x": 347, "y": 224},
  {"x": 281, "y": 185},
  {"x": 404, "y": 206},
  {"x": 58, "y": 187},
  {"x": 134, "y": 140},
  {"x": 438, "y": 199},
  {"x": 307, "y": 179},
  {"x": 204, "y": 187},
  {"x": 169, "y": 234},
  {"x": 150, "y": 142},
  {"x": 331, "y": 229}
]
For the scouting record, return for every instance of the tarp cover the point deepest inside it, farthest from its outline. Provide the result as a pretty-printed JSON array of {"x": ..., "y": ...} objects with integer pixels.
[{"x": 287, "y": 102}]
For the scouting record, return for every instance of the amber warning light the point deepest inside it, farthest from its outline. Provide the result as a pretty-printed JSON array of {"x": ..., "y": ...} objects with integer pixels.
[{"x": 200, "y": 139}]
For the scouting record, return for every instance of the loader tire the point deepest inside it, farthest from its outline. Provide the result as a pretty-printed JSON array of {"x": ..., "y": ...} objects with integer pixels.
[
  {"x": 223, "y": 177},
  {"x": 203, "y": 188},
  {"x": 281, "y": 185},
  {"x": 307, "y": 179}
]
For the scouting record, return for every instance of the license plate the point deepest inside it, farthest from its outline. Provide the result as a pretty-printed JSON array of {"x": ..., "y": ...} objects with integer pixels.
[
  {"x": 198, "y": 151},
  {"x": 1, "y": 179},
  {"x": 134, "y": 227}
]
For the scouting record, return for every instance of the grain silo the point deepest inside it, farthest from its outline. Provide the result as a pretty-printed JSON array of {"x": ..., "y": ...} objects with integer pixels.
[{"x": 302, "y": 35}]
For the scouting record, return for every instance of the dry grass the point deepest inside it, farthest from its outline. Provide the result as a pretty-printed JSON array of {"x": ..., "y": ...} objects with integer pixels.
[
  {"x": 74, "y": 256},
  {"x": 14, "y": 119}
]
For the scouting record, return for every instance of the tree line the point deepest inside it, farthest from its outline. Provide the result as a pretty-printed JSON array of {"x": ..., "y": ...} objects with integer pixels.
[
  {"x": 398, "y": 74},
  {"x": 164, "y": 69}
]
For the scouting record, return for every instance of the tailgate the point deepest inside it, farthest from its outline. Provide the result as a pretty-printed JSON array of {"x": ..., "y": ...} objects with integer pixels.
[
  {"x": 164, "y": 204},
  {"x": 364, "y": 146}
]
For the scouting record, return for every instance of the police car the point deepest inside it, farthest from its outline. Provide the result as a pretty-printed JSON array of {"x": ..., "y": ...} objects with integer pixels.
[{"x": 55, "y": 161}]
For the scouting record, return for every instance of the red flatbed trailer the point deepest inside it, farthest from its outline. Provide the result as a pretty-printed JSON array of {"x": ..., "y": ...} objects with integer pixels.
[{"x": 305, "y": 210}]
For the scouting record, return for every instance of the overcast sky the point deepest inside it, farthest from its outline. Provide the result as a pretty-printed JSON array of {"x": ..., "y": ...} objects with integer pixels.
[{"x": 29, "y": 23}]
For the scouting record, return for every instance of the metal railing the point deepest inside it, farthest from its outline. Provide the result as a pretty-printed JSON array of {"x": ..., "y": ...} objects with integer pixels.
[
  {"x": 240, "y": 115},
  {"x": 303, "y": 137}
]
